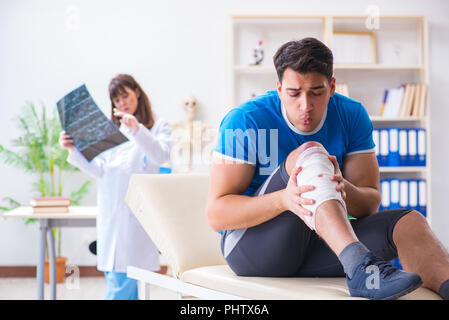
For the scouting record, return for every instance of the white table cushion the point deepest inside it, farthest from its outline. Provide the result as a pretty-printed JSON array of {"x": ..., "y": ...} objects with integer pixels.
[
  {"x": 172, "y": 210},
  {"x": 223, "y": 279}
]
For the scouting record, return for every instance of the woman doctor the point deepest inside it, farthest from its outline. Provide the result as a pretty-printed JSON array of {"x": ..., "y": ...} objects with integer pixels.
[{"x": 121, "y": 240}]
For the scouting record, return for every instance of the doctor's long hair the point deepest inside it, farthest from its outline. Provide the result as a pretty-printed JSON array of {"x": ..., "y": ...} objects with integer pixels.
[{"x": 143, "y": 113}]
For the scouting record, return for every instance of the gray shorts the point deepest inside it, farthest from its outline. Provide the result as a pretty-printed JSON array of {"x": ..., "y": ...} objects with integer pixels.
[{"x": 285, "y": 247}]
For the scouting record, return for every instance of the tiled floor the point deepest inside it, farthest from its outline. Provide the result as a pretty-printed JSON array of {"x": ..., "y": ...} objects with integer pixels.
[{"x": 87, "y": 288}]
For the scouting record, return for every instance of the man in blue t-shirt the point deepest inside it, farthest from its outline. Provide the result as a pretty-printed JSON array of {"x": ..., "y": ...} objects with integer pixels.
[
  {"x": 257, "y": 204},
  {"x": 343, "y": 129}
]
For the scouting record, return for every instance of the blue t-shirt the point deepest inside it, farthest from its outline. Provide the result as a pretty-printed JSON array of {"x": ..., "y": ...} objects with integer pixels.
[{"x": 259, "y": 133}]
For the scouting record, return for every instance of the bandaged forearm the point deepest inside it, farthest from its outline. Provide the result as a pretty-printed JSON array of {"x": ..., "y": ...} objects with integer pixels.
[{"x": 316, "y": 171}]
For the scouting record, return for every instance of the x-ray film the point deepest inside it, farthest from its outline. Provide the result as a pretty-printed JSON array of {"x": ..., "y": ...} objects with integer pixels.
[{"x": 92, "y": 132}]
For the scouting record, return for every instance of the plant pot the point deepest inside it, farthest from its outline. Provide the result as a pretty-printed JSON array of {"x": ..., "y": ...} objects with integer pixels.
[{"x": 60, "y": 270}]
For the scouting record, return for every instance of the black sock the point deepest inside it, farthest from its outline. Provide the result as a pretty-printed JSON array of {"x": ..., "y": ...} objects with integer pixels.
[
  {"x": 351, "y": 256},
  {"x": 444, "y": 290}
]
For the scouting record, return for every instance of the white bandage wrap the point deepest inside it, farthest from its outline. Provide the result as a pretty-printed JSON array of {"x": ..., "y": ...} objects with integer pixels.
[{"x": 316, "y": 171}]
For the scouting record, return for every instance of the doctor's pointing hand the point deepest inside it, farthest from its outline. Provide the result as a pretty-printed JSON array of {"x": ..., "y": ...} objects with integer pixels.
[{"x": 127, "y": 119}]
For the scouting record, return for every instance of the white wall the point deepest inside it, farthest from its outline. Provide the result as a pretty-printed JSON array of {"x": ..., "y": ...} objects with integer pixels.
[{"x": 173, "y": 48}]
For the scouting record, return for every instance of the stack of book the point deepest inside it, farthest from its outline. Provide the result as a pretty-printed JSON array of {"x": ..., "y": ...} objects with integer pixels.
[
  {"x": 408, "y": 100},
  {"x": 50, "y": 204}
]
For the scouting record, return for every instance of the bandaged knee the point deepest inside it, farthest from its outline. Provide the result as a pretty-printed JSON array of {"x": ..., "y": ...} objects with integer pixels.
[{"x": 316, "y": 171}]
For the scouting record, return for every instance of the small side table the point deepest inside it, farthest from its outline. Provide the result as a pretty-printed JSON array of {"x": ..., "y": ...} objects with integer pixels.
[{"x": 78, "y": 216}]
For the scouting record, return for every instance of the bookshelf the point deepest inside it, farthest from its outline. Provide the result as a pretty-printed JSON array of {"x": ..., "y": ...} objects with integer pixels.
[
  {"x": 403, "y": 169},
  {"x": 269, "y": 69},
  {"x": 401, "y": 57},
  {"x": 379, "y": 119}
]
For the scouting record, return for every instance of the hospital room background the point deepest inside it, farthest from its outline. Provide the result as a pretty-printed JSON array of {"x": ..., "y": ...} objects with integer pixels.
[{"x": 176, "y": 50}]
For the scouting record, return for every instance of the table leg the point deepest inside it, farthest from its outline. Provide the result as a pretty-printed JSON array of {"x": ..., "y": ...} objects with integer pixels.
[
  {"x": 144, "y": 289},
  {"x": 52, "y": 263},
  {"x": 41, "y": 260}
]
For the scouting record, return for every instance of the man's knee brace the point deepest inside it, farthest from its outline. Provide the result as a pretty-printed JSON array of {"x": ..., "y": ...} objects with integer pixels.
[{"x": 316, "y": 171}]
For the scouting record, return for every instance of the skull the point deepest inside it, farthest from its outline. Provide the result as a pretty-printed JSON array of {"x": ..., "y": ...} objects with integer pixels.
[{"x": 189, "y": 105}]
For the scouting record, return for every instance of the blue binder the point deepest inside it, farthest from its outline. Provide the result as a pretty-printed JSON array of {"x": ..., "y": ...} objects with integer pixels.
[
  {"x": 403, "y": 147},
  {"x": 413, "y": 194},
  {"x": 385, "y": 194},
  {"x": 394, "y": 193},
  {"x": 422, "y": 197},
  {"x": 381, "y": 207},
  {"x": 403, "y": 194},
  {"x": 393, "y": 146},
  {"x": 412, "y": 147},
  {"x": 384, "y": 147},
  {"x": 421, "y": 141},
  {"x": 376, "y": 139}
]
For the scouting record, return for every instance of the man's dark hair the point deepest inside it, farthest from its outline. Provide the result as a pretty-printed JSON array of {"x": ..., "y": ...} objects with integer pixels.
[{"x": 304, "y": 56}]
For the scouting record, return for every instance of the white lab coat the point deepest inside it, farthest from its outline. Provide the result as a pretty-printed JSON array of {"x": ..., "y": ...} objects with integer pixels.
[{"x": 121, "y": 240}]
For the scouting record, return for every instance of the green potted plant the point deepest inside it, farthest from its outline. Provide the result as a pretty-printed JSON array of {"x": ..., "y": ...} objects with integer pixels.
[{"x": 39, "y": 154}]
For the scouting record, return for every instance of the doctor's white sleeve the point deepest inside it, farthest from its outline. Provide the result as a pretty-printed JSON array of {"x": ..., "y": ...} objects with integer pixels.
[
  {"x": 156, "y": 146},
  {"x": 93, "y": 168}
]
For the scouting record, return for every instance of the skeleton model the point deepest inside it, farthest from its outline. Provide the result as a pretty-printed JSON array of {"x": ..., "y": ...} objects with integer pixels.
[
  {"x": 258, "y": 54},
  {"x": 189, "y": 105},
  {"x": 188, "y": 140}
]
